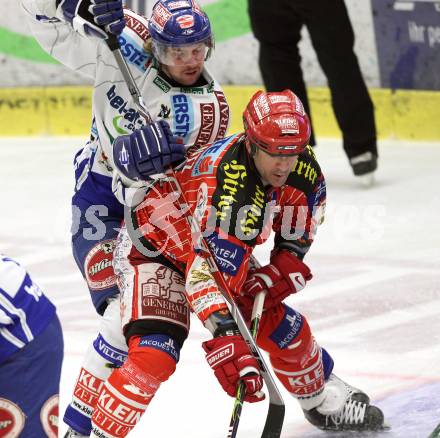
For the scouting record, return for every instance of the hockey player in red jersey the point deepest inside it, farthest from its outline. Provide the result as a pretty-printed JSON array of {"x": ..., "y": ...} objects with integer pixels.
[{"x": 238, "y": 189}]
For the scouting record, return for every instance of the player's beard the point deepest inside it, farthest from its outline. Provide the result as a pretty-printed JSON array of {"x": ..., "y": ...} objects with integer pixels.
[{"x": 185, "y": 75}]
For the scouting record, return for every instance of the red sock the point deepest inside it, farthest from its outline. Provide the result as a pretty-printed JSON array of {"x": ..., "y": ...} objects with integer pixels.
[{"x": 129, "y": 390}]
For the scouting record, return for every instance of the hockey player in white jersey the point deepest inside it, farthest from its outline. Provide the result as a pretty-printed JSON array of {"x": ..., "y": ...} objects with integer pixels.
[
  {"x": 31, "y": 354},
  {"x": 166, "y": 56}
]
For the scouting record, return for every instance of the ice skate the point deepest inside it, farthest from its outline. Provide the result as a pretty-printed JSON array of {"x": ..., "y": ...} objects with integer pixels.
[
  {"x": 364, "y": 167},
  {"x": 345, "y": 408}
]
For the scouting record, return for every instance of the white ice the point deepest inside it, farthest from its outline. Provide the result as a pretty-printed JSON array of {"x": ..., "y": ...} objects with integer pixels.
[{"x": 374, "y": 301}]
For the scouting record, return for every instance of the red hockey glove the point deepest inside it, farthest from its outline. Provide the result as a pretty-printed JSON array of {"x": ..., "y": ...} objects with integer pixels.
[
  {"x": 231, "y": 360},
  {"x": 285, "y": 275}
]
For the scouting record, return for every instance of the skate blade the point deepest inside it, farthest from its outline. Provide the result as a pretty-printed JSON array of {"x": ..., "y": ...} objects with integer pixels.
[{"x": 359, "y": 433}]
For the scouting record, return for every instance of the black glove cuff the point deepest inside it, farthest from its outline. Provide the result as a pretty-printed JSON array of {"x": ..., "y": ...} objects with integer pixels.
[
  {"x": 221, "y": 323},
  {"x": 83, "y": 11},
  {"x": 230, "y": 329}
]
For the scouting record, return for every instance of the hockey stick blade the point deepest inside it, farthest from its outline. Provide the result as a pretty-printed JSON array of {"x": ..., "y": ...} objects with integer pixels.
[
  {"x": 435, "y": 433},
  {"x": 273, "y": 425},
  {"x": 274, "y": 421}
]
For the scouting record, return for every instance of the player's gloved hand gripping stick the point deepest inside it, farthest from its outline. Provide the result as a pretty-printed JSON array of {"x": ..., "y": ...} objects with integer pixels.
[{"x": 275, "y": 416}]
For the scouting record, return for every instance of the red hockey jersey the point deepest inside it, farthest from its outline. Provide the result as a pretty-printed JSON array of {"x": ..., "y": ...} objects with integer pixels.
[{"x": 235, "y": 211}]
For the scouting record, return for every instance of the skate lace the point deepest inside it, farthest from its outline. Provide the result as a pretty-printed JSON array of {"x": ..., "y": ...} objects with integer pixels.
[{"x": 353, "y": 412}]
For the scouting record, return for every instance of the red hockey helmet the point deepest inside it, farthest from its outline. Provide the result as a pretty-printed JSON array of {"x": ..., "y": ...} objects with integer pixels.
[{"x": 277, "y": 123}]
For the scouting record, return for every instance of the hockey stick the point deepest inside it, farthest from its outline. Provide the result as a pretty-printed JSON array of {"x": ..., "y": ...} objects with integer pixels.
[
  {"x": 275, "y": 416},
  {"x": 239, "y": 397},
  {"x": 435, "y": 433},
  {"x": 113, "y": 45}
]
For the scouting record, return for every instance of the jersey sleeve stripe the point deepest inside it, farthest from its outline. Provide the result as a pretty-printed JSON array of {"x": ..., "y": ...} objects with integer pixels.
[
  {"x": 21, "y": 315},
  {"x": 11, "y": 338}
]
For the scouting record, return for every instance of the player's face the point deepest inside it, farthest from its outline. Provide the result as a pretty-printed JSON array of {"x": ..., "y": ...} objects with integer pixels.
[
  {"x": 185, "y": 64},
  {"x": 273, "y": 169},
  {"x": 185, "y": 75}
]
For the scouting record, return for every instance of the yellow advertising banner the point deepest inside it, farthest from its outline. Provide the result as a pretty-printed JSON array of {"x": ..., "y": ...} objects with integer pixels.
[{"x": 400, "y": 114}]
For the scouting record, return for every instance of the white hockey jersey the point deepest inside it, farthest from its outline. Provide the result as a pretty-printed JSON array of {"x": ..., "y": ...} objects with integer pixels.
[{"x": 199, "y": 115}]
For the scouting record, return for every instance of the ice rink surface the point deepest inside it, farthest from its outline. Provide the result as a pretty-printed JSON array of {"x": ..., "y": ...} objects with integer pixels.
[{"x": 374, "y": 301}]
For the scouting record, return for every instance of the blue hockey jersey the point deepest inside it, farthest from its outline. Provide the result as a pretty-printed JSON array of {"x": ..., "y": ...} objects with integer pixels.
[{"x": 24, "y": 310}]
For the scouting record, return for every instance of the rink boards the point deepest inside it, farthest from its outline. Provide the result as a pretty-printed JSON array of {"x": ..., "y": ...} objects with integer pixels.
[{"x": 400, "y": 114}]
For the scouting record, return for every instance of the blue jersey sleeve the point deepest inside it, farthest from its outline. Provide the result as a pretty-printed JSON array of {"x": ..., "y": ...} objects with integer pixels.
[{"x": 24, "y": 309}]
